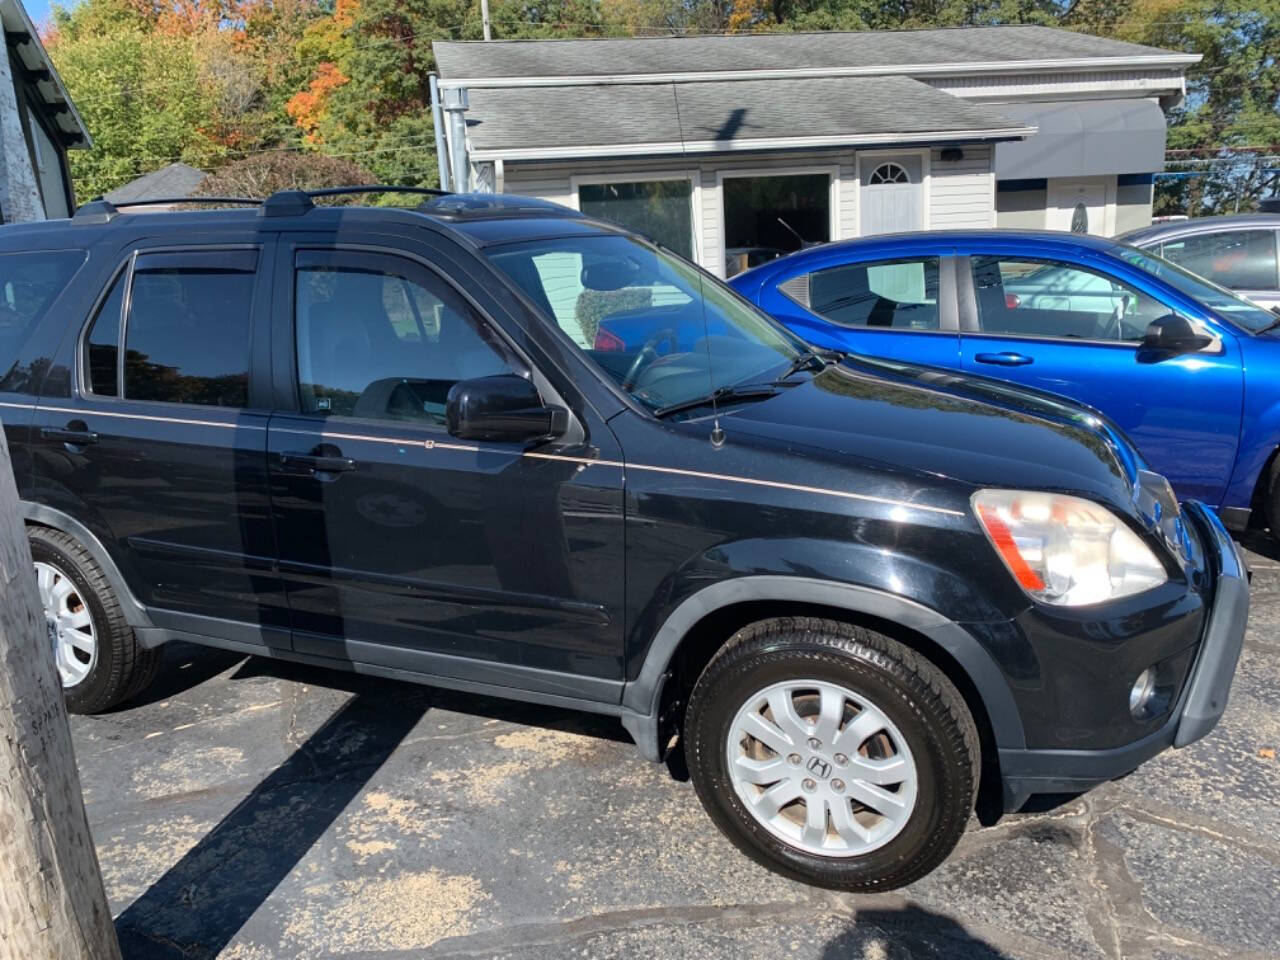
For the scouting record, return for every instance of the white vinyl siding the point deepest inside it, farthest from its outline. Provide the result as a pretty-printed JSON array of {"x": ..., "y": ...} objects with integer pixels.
[{"x": 962, "y": 192}]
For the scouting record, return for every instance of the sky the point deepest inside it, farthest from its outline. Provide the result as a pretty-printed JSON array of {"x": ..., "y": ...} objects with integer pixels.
[{"x": 38, "y": 10}]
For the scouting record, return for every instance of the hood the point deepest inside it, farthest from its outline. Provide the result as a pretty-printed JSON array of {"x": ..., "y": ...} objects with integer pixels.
[{"x": 970, "y": 429}]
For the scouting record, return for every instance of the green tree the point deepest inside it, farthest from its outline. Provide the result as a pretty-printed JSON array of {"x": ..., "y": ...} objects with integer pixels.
[{"x": 139, "y": 91}]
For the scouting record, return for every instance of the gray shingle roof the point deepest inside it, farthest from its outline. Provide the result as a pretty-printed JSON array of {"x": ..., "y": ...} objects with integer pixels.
[
  {"x": 176, "y": 181},
  {"x": 502, "y": 119},
  {"x": 779, "y": 51}
]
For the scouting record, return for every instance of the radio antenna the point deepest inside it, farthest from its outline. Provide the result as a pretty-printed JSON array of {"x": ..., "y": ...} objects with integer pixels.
[{"x": 717, "y": 433}]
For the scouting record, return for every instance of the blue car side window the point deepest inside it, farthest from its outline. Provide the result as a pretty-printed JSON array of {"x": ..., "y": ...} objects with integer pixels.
[
  {"x": 898, "y": 294},
  {"x": 1027, "y": 297}
]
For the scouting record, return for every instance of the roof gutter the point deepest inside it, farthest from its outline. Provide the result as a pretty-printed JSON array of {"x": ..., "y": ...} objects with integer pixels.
[
  {"x": 734, "y": 146},
  {"x": 1171, "y": 61}
]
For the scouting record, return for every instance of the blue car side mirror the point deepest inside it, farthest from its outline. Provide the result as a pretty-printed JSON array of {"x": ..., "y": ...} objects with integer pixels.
[{"x": 1170, "y": 336}]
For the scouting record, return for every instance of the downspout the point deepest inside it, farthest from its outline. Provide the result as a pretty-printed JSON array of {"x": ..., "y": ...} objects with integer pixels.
[
  {"x": 455, "y": 105},
  {"x": 437, "y": 123}
]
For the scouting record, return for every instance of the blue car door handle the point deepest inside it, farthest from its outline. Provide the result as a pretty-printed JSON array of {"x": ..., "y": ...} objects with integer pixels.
[{"x": 1005, "y": 359}]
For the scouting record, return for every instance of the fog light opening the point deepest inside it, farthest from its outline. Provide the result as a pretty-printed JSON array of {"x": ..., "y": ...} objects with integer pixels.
[{"x": 1140, "y": 694}]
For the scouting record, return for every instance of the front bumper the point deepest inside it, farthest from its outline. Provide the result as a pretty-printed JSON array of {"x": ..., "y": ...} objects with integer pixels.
[{"x": 1200, "y": 705}]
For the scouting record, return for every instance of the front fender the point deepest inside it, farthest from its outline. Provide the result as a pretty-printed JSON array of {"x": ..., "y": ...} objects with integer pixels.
[{"x": 642, "y": 695}]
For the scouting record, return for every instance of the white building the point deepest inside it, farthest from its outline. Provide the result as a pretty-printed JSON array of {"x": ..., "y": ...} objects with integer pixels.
[{"x": 727, "y": 147}]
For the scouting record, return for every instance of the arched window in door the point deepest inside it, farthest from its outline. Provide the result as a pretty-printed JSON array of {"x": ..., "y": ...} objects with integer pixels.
[{"x": 889, "y": 172}]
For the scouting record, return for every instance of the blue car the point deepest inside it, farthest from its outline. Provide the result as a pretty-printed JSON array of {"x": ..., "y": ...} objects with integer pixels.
[{"x": 1190, "y": 370}]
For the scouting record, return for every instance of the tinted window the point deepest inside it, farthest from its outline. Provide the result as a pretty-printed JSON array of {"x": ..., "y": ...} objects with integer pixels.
[
  {"x": 29, "y": 282},
  {"x": 187, "y": 336},
  {"x": 379, "y": 340},
  {"x": 902, "y": 294},
  {"x": 1240, "y": 259},
  {"x": 102, "y": 345},
  {"x": 1040, "y": 298}
]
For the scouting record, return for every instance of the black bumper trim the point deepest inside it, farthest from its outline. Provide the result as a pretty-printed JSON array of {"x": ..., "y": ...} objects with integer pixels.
[{"x": 1028, "y": 772}]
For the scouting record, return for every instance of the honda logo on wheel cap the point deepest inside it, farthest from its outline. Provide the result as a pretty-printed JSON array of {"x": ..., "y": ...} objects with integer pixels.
[{"x": 819, "y": 768}]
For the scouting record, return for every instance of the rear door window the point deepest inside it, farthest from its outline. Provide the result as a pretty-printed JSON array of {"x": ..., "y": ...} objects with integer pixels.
[
  {"x": 102, "y": 344},
  {"x": 1238, "y": 259},
  {"x": 29, "y": 283},
  {"x": 187, "y": 327},
  {"x": 899, "y": 294}
]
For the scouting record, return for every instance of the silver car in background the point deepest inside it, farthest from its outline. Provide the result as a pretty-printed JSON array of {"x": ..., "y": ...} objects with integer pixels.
[{"x": 1237, "y": 252}]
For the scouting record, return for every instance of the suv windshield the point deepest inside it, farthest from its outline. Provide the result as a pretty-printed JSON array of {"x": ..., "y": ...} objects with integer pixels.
[
  {"x": 1230, "y": 306},
  {"x": 664, "y": 331}
]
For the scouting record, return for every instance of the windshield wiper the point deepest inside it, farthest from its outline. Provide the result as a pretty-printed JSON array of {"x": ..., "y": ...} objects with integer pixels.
[
  {"x": 720, "y": 395},
  {"x": 806, "y": 361}
]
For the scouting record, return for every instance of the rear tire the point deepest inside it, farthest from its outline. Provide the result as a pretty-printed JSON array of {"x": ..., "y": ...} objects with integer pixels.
[
  {"x": 867, "y": 781},
  {"x": 110, "y": 667}
]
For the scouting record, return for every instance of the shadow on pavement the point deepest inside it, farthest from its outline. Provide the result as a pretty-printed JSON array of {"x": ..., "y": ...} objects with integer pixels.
[
  {"x": 185, "y": 665},
  {"x": 195, "y": 909},
  {"x": 906, "y": 934}
]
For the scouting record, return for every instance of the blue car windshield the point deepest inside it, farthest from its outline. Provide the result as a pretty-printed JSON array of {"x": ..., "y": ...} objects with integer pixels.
[
  {"x": 659, "y": 327},
  {"x": 1228, "y": 305}
]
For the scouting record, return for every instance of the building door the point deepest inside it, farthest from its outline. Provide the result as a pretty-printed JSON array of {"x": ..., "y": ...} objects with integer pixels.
[
  {"x": 892, "y": 196},
  {"x": 1080, "y": 206}
]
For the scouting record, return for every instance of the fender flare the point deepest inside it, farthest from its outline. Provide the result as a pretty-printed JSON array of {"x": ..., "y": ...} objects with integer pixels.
[
  {"x": 134, "y": 612},
  {"x": 641, "y": 697}
]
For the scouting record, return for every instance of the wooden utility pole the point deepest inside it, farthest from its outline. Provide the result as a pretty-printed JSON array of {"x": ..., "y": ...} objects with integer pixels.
[{"x": 52, "y": 903}]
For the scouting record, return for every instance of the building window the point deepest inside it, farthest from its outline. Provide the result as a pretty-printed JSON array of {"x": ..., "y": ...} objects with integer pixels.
[
  {"x": 659, "y": 209},
  {"x": 889, "y": 172},
  {"x": 772, "y": 215}
]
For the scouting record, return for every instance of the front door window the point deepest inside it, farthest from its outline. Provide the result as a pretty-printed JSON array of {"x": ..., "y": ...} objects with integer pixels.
[
  {"x": 379, "y": 338},
  {"x": 1045, "y": 298}
]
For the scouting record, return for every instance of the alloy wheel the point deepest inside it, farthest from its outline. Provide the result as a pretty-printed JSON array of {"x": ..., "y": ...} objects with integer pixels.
[
  {"x": 71, "y": 631},
  {"x": 821, "y": 768}
]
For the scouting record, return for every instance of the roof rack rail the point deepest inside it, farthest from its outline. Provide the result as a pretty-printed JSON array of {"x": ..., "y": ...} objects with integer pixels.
[
  {"x": 100, "y": 210},
  {"x": 292, "y": 203}
]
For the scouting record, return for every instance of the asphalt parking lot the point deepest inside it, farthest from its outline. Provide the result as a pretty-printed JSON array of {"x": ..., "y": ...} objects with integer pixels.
[{"x": 249, "y": 809}]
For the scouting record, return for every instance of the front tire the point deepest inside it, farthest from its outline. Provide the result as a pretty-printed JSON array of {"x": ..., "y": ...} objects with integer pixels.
[
  {"x": 832, "y": 754},
  {"x": 99, "y": 661}
]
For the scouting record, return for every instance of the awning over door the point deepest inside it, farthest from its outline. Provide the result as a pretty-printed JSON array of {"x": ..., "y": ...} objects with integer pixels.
[{"x": 1083, "y": 138}]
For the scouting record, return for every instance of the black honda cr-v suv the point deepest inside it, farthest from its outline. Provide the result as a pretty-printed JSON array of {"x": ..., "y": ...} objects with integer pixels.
[{"x": 398, "y": 441}]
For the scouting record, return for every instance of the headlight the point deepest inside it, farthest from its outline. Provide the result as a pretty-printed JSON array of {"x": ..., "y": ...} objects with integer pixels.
[{"x": 1065, "y": 550}]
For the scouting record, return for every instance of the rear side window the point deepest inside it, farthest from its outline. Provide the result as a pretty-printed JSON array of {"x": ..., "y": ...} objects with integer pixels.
[
  {"x": 1239, "y": 259},
  {"x": 187, "y": 328},
  {"x": 900, "y": 294},
  {"x": 29, "y": 283},
  {"x": 102, "y": 345}
]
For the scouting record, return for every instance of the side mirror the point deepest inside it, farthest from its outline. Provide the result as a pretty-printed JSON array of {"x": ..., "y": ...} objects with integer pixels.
[
  {"x": 502, "y": 409},
  {"x": 1172, "y": 335}
]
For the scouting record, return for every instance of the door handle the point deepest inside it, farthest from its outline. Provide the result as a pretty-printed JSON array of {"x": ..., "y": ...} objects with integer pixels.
[
  {"x": 1005, "y": 359},
  {"x": 316, "y": 463},
  {"x": 69, "y": 436}
]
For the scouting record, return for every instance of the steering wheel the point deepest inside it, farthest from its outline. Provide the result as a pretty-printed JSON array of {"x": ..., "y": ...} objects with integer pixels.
[{"x": 648, "y": 353}]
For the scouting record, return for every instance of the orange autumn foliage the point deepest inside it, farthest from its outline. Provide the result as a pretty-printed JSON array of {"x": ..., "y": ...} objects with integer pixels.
[{"x": 308, "y": 107}]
